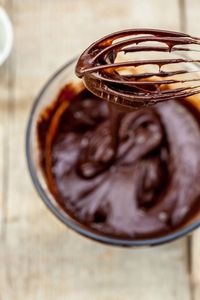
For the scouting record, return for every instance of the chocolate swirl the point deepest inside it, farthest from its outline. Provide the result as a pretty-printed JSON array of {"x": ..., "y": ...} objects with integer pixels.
[
  {"x": 103, "y": 75},
  {"x": 147, "y": 187}
]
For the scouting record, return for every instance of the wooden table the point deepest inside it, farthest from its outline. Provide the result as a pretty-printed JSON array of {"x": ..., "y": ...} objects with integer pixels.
[{"x": 40, "y": 258}]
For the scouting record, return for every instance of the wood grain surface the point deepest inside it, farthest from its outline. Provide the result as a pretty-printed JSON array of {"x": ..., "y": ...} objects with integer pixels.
[{"x": 39, "y": 257}]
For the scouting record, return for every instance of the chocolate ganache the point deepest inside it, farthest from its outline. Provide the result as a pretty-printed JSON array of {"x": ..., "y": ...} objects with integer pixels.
[{"x": 145, "y": 186}]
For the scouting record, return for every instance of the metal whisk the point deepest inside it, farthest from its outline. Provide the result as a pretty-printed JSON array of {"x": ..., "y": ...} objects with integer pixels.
[{"x": 141, "y": 67}]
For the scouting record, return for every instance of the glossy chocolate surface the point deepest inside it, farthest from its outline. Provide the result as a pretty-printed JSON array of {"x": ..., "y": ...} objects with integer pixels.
[{"x": 141, "y": 180}]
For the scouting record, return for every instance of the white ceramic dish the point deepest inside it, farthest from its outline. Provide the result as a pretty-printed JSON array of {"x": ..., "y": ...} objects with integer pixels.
[{"x": 6, "y": 36}]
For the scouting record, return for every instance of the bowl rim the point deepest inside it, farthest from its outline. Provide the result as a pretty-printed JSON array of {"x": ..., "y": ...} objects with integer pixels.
[{"x": 72, "y": 223}]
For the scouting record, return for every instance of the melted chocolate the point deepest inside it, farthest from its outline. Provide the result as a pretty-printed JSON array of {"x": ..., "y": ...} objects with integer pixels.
[{"x": 141, "y": 180}]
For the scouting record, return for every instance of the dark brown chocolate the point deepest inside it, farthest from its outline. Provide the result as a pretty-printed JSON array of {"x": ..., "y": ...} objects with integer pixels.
[{"x": 146, "y": 185}]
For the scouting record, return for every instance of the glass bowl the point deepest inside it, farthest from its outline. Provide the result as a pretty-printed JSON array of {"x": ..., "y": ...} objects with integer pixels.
[{"x": 49, "y": 92}]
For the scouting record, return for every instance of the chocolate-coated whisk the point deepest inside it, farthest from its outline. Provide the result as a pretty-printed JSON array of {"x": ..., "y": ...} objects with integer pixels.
[{"x": 161, "y": 78}]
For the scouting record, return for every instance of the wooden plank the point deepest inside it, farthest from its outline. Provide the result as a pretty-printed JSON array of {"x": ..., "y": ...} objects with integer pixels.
[
  {"x": 192, "y": 15},
  {"x": 56, "y": 264},
  {"x": 3, "y": 83},
  {"x": 5, "y": 72},
  {"x": 4, "y": 96},
  {"x": 4, "y": 132},
  {"x": 4, "y": 3},
  {"x": 195, "y": 270},
  {"x": 40, "y": 258}
]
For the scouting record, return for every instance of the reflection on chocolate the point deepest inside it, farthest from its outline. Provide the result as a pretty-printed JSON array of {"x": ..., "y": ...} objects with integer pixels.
[{"x": 147, "y": 185}]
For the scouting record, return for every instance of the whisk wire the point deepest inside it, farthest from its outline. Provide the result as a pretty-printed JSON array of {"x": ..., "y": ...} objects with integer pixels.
[{"x": 116, "y": 80}]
